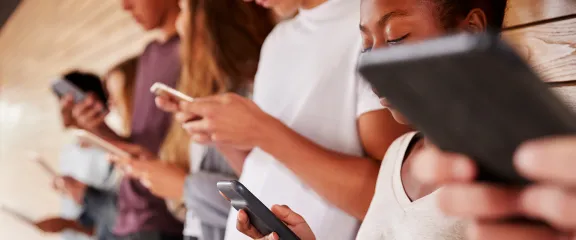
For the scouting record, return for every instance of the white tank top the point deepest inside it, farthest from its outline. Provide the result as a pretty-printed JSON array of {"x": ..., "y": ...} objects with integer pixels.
[{"x": 393, "y": 216}]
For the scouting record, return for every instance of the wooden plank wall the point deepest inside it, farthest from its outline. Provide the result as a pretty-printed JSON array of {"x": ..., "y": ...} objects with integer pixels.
[{"x": 544, "y": 31}]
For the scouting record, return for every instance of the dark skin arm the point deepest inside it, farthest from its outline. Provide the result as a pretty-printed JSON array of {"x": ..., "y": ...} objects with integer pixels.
[{"x": 360, "y": 173}]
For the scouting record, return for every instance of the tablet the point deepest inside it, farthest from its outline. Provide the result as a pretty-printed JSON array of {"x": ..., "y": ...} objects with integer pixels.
[{"x": 470, "y": 94}]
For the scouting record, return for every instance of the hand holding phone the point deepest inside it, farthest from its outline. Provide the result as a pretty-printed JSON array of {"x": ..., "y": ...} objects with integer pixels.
[
  {"x": 259, "y": 215},
  {"x": 168, "y": 100},
  {"x": 160, "y": 89},
  {"x": 101, "y": 143}
]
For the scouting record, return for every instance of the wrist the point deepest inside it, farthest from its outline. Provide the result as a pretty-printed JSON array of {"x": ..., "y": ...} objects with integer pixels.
[
  {"x": 272, "y": 133},
  {"x": 104, "y": 131},
  {"x": 180, "y": 186}
]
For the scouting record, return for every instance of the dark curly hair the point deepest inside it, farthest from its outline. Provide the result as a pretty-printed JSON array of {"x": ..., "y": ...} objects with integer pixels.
[
  {"x": 453, "y": 11},
  {"x": 88, "y": 82}
]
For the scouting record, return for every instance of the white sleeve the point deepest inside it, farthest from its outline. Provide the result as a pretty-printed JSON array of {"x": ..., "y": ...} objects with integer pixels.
[{"x": 367, "y": 99}]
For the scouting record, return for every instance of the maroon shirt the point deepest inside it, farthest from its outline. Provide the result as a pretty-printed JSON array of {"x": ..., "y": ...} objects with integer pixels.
[{"x": 138, "y": 209}]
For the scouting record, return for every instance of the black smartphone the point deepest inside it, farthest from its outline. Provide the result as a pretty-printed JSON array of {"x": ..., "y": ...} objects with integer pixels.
[
  {"x": 470, "y": 94},
  {"x": 62, "y": 87},
  {"x": 260, "y": 216}
]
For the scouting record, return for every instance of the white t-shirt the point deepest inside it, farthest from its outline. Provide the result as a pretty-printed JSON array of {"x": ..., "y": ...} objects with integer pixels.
[
  {"x": 307, "y": 79},
  {"x": 393, "y": 216}
]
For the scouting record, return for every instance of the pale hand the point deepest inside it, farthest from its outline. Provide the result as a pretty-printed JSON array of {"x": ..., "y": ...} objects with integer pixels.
[
  {"x": 227, "y": 119},
  {"x": 166, "y": 103},
  {"x": 549, "y": 162}
]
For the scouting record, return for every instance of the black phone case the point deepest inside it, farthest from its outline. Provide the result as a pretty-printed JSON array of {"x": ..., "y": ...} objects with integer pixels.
[
  {"x": 62, "y": 87},
  {"x": 470, "y": 94},
  {"x": 260, "y": 216}
]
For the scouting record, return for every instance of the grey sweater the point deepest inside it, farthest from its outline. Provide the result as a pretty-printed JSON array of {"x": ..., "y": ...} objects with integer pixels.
[{"x": 202, "y": 197}]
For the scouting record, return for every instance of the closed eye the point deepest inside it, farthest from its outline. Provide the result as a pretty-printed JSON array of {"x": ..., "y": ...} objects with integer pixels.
[{"x": 398, "y": 40}]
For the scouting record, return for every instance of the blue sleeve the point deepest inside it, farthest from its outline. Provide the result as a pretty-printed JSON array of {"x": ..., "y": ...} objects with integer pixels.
[
  {"x": 86, "y": 220},
  {"x": 100, "y": 206}
]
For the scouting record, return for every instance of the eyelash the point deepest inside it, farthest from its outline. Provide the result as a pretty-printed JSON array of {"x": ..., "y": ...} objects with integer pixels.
[
  {"x": 398, "y": 40},
  {"x": 390, "y": 42}
]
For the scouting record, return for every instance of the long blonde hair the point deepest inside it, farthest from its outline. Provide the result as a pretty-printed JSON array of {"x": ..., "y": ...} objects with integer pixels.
[
  {"x": 220, "y": 51},
  {"x": 128, "y": 70}
]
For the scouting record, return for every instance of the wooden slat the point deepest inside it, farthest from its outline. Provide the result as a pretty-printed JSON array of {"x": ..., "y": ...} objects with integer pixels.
[
  {"x": 520, "y": 12},
  {"x": 550, "y": 48}
]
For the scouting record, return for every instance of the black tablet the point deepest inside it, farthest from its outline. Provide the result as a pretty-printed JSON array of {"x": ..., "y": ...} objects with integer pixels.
[{"x": 470, "y": 94}]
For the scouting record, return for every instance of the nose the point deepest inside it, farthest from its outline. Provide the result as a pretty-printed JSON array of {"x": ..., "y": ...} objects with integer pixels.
[{"x": 379, "y": 43}]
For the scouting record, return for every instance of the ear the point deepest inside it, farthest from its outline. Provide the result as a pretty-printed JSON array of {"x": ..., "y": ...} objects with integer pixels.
[{"x": 475, "y": 21}]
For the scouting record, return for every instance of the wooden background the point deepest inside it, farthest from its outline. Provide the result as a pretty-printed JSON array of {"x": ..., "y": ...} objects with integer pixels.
[
  {"x": 45, "y": 37},
  {"x": 42, "y": 39}
]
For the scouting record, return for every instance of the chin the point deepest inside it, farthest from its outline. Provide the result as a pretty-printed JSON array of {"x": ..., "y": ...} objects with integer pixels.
[{"x": 399, "y": 118}]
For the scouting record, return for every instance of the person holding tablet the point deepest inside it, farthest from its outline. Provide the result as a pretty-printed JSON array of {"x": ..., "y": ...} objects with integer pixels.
[
  {"x": 402, "y": 207},
  {"x": 549, "y": 162}
]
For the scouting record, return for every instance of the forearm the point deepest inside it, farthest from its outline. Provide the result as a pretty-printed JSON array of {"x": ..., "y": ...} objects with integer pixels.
[
  {"x": 234, "y": 157},
  {"x": 106, "y": 132},
  {"x": 346, "y": 181}
]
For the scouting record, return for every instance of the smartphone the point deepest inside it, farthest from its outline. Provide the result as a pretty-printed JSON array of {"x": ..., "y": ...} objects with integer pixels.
[
  {"x": 260, "y": 216},
  {"x": 15, "y": 214},
  {"x": 101, "y": 143},
  {"x": 470, "y": 94},
  {"x": 160, "y": 89},
  {"x": 62, "y": 87},
  {"x": 44, "y": 165}
]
